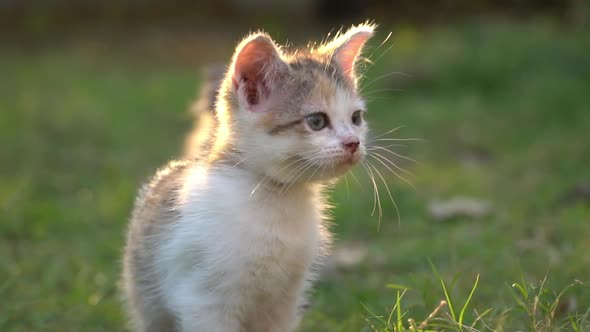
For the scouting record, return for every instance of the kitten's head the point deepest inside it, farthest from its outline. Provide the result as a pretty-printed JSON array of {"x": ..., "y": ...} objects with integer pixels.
[{"x": 297, "y": 116}]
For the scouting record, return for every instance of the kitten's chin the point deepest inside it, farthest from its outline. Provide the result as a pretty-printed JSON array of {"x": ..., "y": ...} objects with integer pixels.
[{"x": 344, "y": 166}]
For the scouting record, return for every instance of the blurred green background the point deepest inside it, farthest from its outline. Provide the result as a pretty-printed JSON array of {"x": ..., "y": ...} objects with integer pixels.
[{"x": 94, "y": 98}]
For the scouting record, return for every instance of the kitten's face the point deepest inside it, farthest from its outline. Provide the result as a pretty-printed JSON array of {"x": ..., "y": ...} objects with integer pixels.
[
  {"x": 302, "y": 122},
  {"x": 315, "y": 134}
]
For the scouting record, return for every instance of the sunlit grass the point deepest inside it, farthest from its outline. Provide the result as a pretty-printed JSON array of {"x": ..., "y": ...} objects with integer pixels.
[{"x": 534, "y": 308}]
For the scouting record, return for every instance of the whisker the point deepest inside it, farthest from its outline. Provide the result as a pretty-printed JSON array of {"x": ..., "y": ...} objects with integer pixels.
[
  {"x": 346, "y": 182},
  {"x": 391, "y": 145},
  {"x": 367, "y": 94},
  {"x": 387, "y": 132},
  {"x": 300, "y": 171},
  {"x": 375, "y": 194},
  {"x": 378, "y": 48},
  {"x": 265, "y": 177},
  {"x": 322, "y": 165},
  {"x": 385, "y": 40},
  {"x": 333, "y": 170},
  {"x": 380, "y": 78},
  {"x": 384, "y": 52},
  {"x": 394, "y": 153},
  {"x": 369, "y": 58},
  {"x": 371, "y": 61},
  {"x": 395, "y": 173},
  {"x": 239, "y": 162},
  {"x": 257, "y": 186},
  {"x": 396, "y": 139},
  {"x": 298, "y": 159},
  {"x": 371, "y": 99},
  {"x": 388, "y": 192},
  {"x": 374, "y": 197},
  {"x": 376, "y": 154},
  {"x": 295, "y": 172},
  {"x": 291, "y": 176},
  {"x": 354, "y": 178}
]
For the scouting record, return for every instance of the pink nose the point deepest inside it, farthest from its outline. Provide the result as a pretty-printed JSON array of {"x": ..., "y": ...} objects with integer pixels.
[{"x": 351, "y": 145}]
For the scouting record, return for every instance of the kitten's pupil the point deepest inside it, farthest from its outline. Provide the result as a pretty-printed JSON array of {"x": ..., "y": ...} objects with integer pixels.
[
  {"x": 357, "y": 118},
  {"x": 317, "y": 121}
]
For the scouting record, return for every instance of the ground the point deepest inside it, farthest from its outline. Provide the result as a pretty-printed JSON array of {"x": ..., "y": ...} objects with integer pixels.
[{"x": 502, "y": 111}]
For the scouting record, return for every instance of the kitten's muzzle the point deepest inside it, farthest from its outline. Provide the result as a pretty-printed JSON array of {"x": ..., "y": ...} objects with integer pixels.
[{"x": 351, "y": 145}]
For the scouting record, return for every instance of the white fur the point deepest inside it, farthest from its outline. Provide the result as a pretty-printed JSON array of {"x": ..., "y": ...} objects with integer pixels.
[{"x": 238, "y": 261}]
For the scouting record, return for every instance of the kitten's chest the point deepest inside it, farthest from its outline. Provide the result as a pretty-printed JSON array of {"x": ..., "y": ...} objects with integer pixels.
[
  {"x": 283, "y": 227},
  {"x": 274, "y": 249},
  {"x": 261, "y": 227}
]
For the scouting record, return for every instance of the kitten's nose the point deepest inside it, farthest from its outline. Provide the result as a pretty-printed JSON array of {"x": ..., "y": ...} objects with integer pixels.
[{"x": 351, "y": 145}]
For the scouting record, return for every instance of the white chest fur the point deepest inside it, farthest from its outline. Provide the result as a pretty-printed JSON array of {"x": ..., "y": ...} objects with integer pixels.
[{"x": 248, "y": 253}]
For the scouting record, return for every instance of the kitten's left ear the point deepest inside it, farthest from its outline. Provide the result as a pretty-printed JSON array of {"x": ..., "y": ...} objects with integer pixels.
[{"x": 346, "y": 48}]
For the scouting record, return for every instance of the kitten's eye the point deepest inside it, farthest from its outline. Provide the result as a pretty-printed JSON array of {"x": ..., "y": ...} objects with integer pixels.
[
  {"x": 357, "y": 118},
  {"x": 317, "y": 121}
]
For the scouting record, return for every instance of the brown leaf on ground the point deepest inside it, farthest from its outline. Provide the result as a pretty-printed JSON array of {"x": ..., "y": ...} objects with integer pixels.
[{"x": 579, "y": 193}]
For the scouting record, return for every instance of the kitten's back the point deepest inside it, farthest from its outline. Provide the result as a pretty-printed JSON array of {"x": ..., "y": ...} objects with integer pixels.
[
  {"x": 155, "y": 209},
  {"x": 203, "y": 111}
]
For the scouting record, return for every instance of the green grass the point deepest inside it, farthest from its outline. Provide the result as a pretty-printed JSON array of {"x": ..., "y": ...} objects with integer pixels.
[{"x": 504, "y": 111}]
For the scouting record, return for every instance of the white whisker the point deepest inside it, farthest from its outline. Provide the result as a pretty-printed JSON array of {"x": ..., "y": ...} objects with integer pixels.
[
  {"x": 394, "y": 153},
  {"x": 354, "y": 178},
  {"x": 257, "y": 186},
  {"x": 388, "y": 192},
  {"x": 390, "y": 145},
  {"x": 376, "y": 196},
  {"x": 265, "y": 177},
  {"x": 385, "y": 40},
  {"x": 380, "y": 78},
  {"x": 298, "y": 159},
  {"x": 367, "y": 94},
  {"x": 395, "y": 173},
  {"x": 298, "y": 172},
  {"x": 396, "y": 139},
  {"x": 346, "y": 182},
  {"x": 386, "y": 133},
  {"x": 376, "y": 154}
]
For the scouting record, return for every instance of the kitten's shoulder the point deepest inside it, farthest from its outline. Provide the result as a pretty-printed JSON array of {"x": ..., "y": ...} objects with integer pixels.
[{"x": 162, "y": 189}]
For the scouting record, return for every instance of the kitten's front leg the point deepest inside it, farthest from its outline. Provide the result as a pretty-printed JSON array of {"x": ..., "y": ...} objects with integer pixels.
[
  {"x": 195, "y": 319},
  {"x": 196, "y": 311},
  {"x": 275, "y": 316}
]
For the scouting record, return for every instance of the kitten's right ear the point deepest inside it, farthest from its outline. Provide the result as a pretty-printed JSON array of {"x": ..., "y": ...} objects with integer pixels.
[
  {"x": 346, "y": 48},
  {"x": 256, "y": 66}
]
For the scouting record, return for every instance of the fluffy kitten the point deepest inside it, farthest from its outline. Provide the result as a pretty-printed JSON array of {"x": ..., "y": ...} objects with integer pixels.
[{"x": 228, "y": 241}]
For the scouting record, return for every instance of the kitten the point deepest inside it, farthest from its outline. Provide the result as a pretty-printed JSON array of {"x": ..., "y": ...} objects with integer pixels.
[{"x": 229, "y": 241}]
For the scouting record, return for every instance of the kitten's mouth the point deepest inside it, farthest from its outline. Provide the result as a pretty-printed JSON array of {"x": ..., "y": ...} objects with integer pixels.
[
  {"x": 352, "y": 159},
  {"x": 347, "y": 162}
]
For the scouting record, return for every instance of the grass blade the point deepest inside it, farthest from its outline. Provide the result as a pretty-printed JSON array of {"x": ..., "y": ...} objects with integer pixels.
[
  {"x": 444, "y": 287},
  {"x": 399, "y": 311},
  {"x": 461, "y": 315},
  {"x": 448, "y": 298},
  {"x": 398, "y": 286}
]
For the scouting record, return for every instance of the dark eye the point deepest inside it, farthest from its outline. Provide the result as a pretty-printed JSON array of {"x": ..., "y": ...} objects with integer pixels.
[
  {"x": 357, "y": 118},
  {"x": 317, "y": 121}
]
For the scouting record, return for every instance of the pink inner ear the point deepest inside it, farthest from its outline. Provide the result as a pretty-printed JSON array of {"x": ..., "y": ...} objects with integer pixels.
[
  {"x": 251, "y": 68},
  {"x": 347, "y": 54}
]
